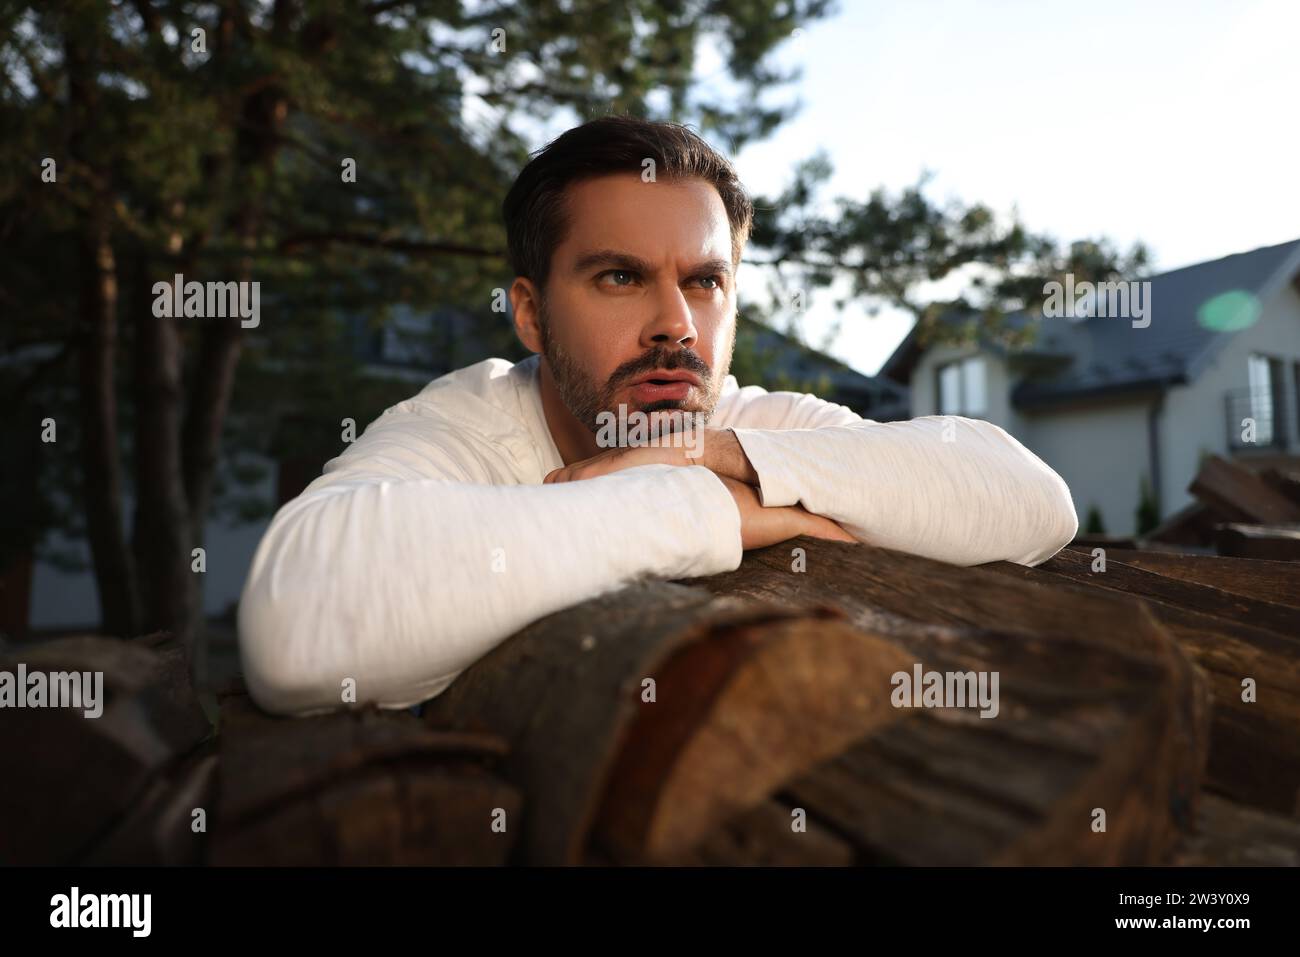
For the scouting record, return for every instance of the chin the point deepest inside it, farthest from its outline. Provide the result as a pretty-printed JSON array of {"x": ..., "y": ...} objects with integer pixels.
[{"x": 677, "y": 405}]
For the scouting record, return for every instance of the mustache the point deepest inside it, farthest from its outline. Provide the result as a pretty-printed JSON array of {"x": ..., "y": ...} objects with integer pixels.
[{"x": 667, "y": 361}]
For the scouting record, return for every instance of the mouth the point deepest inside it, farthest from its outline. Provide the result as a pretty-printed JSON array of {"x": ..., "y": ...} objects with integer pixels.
[
  {"x": 663, "y": 387},
  {"x": 667, "y": 379}
]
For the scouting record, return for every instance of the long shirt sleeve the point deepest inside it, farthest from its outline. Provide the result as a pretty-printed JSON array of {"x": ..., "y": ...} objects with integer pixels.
[
  {"x": 431, "y": 539},
  {"x": 404, "y": 563},
  {"x": 955, "y": 489}
]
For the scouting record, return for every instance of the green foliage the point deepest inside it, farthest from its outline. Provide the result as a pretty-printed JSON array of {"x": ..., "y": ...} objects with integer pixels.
[
  {"x": 1094, "y": 524},
  {"x": 1148, "y": 510}
]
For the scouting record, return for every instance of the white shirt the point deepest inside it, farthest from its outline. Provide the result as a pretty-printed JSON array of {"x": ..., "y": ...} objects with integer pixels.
[{"x": 431, "y": 539}]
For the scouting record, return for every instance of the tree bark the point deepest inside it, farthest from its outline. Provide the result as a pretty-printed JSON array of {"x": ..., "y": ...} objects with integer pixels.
[
  {"x": 162, "y": 517},
  {"x": 97, "y": 351},
  {"x": 214, "y": 379},
  {"x": 160, "y": 534}
]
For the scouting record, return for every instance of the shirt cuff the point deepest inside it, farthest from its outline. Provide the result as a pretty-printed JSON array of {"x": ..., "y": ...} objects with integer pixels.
[
  {"x": 707, "y": 515},
  {"x": 775, "y": 487},
  {"x": 720, "y": 522}
]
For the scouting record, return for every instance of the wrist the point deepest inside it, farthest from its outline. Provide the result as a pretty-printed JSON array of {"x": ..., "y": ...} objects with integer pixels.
[{"x": 723, "y": 454}]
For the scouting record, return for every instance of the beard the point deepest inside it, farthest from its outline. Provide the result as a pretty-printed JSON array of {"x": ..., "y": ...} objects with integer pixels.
[{"x": 586, "y": 400}]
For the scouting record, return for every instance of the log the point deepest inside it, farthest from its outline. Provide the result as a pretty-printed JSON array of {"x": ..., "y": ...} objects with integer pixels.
[
  {"x": 1177, "y": 593},
  {"x": 1242, "y": 495},
  {"x": 765, "y": 836},
  {"x": 1275, "y": 582},
  {"x": 1190, "y": 527},
  {"x": 744, "y": 696},
  {"x": 750, "y": 706},
  {"x": 82, "y": 776},
  {"x": 1285, "y": 481},
  {"x": 162, "y": 827},
  {"x": 1255, "y": 745},
  {"x": 1269, "y": 542},
  {"x": 1104, "y": 541},
  {"x": 361, "y": 787},
  {"x": 1101, "y": 709},
  {"x": 1228, "y": 834},
  {"x": 939, "y": 791}
]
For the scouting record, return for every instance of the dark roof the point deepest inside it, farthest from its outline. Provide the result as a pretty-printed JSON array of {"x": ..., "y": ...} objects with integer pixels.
[
  {"x": 872, "y": 397},
  {"x": 1110, "y": 354}
]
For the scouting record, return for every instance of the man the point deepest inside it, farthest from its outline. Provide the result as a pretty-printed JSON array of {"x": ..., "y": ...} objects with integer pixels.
[{"x": 493, "y": 497}]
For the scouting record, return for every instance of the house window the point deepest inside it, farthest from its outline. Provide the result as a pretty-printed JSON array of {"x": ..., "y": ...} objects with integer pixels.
[
  {"x": 1295, "y": 385},
  {"x": 1264, "y": 382},
  {"x": 962, "y": 387}
]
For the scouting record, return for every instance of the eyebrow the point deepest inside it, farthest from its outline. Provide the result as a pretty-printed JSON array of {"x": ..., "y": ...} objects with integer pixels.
[{"x": 620, "y": 260}]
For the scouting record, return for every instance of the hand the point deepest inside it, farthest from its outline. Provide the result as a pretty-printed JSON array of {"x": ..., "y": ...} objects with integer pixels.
[
  {"x": 760, "y": 526},
  {"x": 716, "y": 449},
  {"x": 616, "y": 459}
]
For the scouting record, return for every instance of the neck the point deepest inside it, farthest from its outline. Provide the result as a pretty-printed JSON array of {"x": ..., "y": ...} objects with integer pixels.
[{"x": 572, "y": 439}]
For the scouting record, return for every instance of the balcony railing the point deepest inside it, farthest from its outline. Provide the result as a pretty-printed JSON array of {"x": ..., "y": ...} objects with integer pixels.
[{"x": 1257, "y": 418}]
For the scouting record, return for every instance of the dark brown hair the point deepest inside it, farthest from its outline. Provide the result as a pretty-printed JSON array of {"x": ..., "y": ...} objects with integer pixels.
[{"x": 534, "y": 210}]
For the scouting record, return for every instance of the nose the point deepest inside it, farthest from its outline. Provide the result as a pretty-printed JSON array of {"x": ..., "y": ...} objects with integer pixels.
[{"x": 672, "y": 322}]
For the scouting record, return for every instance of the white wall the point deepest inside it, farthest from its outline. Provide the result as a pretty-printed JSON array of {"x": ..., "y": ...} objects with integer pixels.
[
  {"x": 1101, "y": 450},
  {"x": 1195, "y": 418}
]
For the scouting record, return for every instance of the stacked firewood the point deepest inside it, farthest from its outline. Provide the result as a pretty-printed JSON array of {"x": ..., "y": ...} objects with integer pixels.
[
  {"x": 156, "y": 779},
  {"x": 1239, "y": 512},
  {"x": 1122, "y": 707}
]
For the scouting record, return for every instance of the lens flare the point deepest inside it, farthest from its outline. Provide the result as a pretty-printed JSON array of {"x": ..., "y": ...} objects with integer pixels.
[{"x": 1229, "y": 311}]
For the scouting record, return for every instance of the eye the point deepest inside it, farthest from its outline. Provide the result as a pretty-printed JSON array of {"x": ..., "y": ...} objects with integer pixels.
[
  {"x": 626, "y": 273},
  {"x": 715, "y": 279}
]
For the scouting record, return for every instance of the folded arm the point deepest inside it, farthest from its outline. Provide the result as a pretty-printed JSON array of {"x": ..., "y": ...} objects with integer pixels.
[
  {"x": 955, "y": 489},
  {"x": 393, "y": 571}
]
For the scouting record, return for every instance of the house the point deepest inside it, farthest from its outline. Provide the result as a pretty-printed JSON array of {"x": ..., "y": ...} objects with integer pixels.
[{"x": 1113, "y": 403}]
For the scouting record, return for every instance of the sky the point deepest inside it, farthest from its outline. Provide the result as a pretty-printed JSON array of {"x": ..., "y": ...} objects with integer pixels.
[{"x": 1172, "y": 123}]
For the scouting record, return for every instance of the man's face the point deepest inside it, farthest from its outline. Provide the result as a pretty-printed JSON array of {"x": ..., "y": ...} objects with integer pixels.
[{"x": 643, "y": 282}]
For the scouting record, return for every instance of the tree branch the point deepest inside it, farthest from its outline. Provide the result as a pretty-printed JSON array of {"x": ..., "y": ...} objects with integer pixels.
[{"x": 292, "y": 244}]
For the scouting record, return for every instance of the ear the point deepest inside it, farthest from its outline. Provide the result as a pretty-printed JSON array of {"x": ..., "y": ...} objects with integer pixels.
[{"x": 524, "y": 298}]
